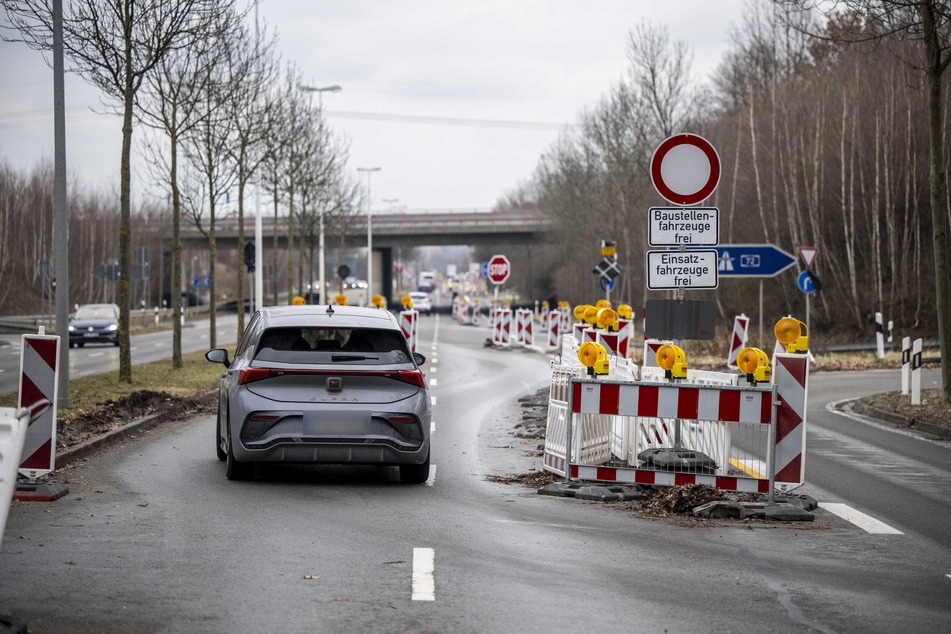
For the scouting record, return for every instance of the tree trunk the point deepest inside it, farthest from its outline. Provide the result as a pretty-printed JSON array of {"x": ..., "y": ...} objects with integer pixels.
[
  {"x": 176, "y": 282},
  {"x": 125, "y": 225}
]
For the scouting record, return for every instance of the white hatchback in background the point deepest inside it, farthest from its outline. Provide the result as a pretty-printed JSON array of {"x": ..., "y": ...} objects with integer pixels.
[
  {"x": 323, "y": 385},
  {"x": 421, "y": 302}
]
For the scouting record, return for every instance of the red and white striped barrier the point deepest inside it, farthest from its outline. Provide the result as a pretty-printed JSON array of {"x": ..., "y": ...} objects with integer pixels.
[
  {"x": 39, "y": 360},
  {"x": 625, "y": 334},
  {"x": 790, "y": 374},
  {"x": 409, "y": 322},
  {"x": 740, "y": 328},
  {"x": 651, "y": 346},
  {"x": 502, "y": 327},
  {"x": 554, "y": 329},
  {"x": 524, "y": 328},
  {"x": 668, "y": 478}
]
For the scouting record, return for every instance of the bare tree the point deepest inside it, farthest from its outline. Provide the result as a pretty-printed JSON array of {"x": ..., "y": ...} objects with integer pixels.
[
  {"x": 115, "y": 44},
  {"x": 927, "y": 22}
]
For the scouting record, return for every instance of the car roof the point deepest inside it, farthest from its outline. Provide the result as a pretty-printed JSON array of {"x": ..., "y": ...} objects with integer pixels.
[
  {"x": 99, "y": 306},
  {"x": 319, "y": 316}
]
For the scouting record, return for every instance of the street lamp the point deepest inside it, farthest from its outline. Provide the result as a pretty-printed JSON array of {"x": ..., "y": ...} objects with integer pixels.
[
  {"x": 320, "y": 93},
  {"x": 369, "y": 171},
  {"x": 322, "y": 265}
]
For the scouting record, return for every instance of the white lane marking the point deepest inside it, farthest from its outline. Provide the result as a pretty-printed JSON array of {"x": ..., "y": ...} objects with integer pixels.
[
  {"x": 432, "y": 428},
  {"x": 160, "y": 345},
  {"x": 96, "y": 354},
  {"x": 432, "y": 382},
  {"x": 424, "y": 581},
  {"x": 433, "y": 370},
  {"x": 863, "y": 521},
  {"x": 2, "y": 370},
  {"x": 433, "y": 398},
  {"x": 431, "y": 480}
]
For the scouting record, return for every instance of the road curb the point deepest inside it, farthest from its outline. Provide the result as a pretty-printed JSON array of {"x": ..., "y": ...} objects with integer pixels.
[
  {"x": 95, "y": 444},
  {"x": 902, "y": 421}
]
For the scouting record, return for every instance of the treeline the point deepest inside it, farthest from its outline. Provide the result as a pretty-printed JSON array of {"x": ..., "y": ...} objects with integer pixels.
[{"x": 820, "y": 145}]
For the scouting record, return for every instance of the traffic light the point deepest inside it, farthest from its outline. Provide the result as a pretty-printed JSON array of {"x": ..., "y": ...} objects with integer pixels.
[{"x": 249, "y": 255}]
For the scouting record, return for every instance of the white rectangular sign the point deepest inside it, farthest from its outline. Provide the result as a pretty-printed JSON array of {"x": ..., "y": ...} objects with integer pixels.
[
  {"x": 691, "y": 226},
  {"x": 689, "y": 270}
]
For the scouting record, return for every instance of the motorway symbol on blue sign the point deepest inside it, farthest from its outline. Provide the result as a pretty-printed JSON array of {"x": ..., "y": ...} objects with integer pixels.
[
  {"x": 805, "y": 283},
  {"x": 750, "y": 260},
  {"x": 196, "y": 281},
  {"x": 608, "y": 284}
]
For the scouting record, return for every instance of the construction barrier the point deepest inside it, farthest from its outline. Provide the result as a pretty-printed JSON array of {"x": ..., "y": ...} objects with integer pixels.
[
  {"x": 502, "y": 327},
  {"x": 524, "y": 327},
  {"x": 651, "y": 346},
  {"x": 702, "y": 430},
  {"x": 13, "y": 426},
  {"x": 738, "y": 341},
  {"x": 409, "y": 324},
  {"x": 39, "y": 361},
  {"x": 553, "y": 328}
]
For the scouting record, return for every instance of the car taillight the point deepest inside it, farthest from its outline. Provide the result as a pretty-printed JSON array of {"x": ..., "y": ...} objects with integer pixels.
[
  {"x": 414, "y": 377},
  {"x": 250, "y": 375}
]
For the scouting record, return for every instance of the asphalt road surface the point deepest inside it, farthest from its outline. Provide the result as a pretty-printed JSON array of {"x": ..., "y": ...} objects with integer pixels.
[{"x": 152, "y": 537}]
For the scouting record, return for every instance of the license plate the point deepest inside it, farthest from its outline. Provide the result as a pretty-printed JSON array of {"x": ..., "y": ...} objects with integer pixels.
[{"x": 90, "y": 335}]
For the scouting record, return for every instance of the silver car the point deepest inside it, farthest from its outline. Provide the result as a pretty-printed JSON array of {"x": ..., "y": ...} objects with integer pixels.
[{"x": 323, "y": 384}]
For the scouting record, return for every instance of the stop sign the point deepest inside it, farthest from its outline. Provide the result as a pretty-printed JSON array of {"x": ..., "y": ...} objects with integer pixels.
[{"x": 499, "y": 269}]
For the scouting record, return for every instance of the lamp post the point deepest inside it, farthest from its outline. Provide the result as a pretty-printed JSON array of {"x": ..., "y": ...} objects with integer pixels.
[
  {"x": 369, "y": 171},
  {"x": 322, "y": 264}
]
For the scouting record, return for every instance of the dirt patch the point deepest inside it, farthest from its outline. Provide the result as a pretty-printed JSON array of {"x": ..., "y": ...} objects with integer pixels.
[
  {"x": 533, "y": 479},
  {"x": 81, "y": 425}
]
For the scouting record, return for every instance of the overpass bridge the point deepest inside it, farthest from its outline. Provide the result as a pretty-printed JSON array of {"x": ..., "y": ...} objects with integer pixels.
[{"x": 390, "y": 231}]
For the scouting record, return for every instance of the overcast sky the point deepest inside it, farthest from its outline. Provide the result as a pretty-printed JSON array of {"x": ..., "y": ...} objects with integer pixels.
[{"x": 453, "y": 100}]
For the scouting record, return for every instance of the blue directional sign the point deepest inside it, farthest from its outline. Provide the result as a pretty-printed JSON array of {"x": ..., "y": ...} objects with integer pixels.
[
  {"x": 805, "y": 283},
  {"x": 750, "y": 260},
  {"x": 608, "y": 284},
  {"x": 485, "y": 269},
  {"x": 196, "y": 281}
]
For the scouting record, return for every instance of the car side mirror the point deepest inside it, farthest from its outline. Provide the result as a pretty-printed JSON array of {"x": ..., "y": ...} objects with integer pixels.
[
  {"x": 419, "y": 358},
  {"x": 218, "y": 355}
]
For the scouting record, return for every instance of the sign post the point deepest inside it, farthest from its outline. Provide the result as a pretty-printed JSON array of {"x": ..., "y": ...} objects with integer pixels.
[{"x": 808, "y": 282}]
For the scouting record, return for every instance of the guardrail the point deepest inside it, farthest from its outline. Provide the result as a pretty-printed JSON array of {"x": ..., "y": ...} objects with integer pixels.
[{"x": 13, "y": 426}]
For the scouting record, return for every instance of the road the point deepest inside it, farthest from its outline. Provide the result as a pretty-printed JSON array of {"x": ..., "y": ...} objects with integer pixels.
[
  {"x": 95, "y": 359},
  {"x": 152, "y": 537}
]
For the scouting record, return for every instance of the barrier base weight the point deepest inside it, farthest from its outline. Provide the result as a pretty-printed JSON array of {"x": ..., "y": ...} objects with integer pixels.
[{"x": 36, "y": 491}]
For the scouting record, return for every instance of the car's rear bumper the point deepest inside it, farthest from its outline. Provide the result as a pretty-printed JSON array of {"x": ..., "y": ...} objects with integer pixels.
[{"x": 335, "y": 452}]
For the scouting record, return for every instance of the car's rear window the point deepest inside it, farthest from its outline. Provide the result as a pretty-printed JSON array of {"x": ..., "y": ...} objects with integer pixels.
[{"x": 366, "y": 346}]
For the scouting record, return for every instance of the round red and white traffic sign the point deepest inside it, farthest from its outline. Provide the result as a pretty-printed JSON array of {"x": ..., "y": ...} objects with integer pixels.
[
  {"x": 499, "y": 269},
  {"x": 685, "y": 169}
]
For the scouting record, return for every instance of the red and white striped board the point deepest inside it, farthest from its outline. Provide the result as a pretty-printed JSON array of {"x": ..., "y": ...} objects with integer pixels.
[
  {"x": 726, "y": 404},
  {"x": 588, "y": 334},
  {"x": 39, "y": 362},
  {"x": 578, "y": 330},
  {"x": 738, "y": 342},
  {"x": 565, "y": 321},
  {"x": 554, "y": 329},
  {"x": 791, "y": 375},
  {"x": 626, "y": 332},
  {"x": 651, "y": 346},
  {"x": 524, "y": 328},
  {"x": 611, "y": 342},
  {"x": 666, "y": 478},
  {"x": 502, "y": 330},
  {"x": 409, "y": 321}
]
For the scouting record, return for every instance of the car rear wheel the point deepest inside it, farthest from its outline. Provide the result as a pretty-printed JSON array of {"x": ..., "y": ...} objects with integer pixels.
[
  {"x": 237, "y": 470},
  {"x": 415, "y": 473}
]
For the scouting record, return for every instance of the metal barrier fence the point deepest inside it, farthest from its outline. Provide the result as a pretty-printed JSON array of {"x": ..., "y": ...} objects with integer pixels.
[{"x": 704, "y": 430}]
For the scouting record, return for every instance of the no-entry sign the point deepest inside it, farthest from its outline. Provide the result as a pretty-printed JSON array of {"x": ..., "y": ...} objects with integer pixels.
[
  {"x": 499, "y": 269},
  {"x": 685, "y": 169}
]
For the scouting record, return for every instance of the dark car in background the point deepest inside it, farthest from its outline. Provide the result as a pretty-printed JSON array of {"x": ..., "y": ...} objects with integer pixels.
[
  {"x": 94, "y": 323},
  {"x": 323, "y": 385}
]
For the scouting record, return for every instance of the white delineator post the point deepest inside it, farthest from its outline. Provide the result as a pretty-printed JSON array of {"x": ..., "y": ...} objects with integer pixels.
[
  {"x": 879, "y": 337},
  {"x": 916, "y": 373},
  {"x": 905, "y": 364}
]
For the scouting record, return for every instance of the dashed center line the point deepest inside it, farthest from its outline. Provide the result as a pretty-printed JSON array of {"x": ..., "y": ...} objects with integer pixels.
[
  {"x": 432, "y": 382},
  {"x": 96, "y": 354},
  {"x": 865, "y": 522},
  {"x": 433, "y": 399},
  {"x": 424, "y": 581}
]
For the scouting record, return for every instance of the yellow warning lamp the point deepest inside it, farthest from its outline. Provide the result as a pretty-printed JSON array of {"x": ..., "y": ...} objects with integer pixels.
[
  {"x": 591, "y": 316},
  {"x": 608, "y": 248},
  {"x": 606, "y": 318},
  {"x": 506, "y": 302},
  {"x": 564, "y": 305},
  {"x": 298, "y": 301},
  {"x": 793, "y": 334},
  {"x": 755, "y": 364},
  {"x": 625, "y": 311},
  {"x": 602, "y": 303},
  {"x": 674, "y": 361},
  {"x": 578, "y": 312},
  {"x": 545, "y": 303},
  {"x": 340, "y": 299},
  {"x": 407, "y": 302},
  {"x": 594, "y": 357}
]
